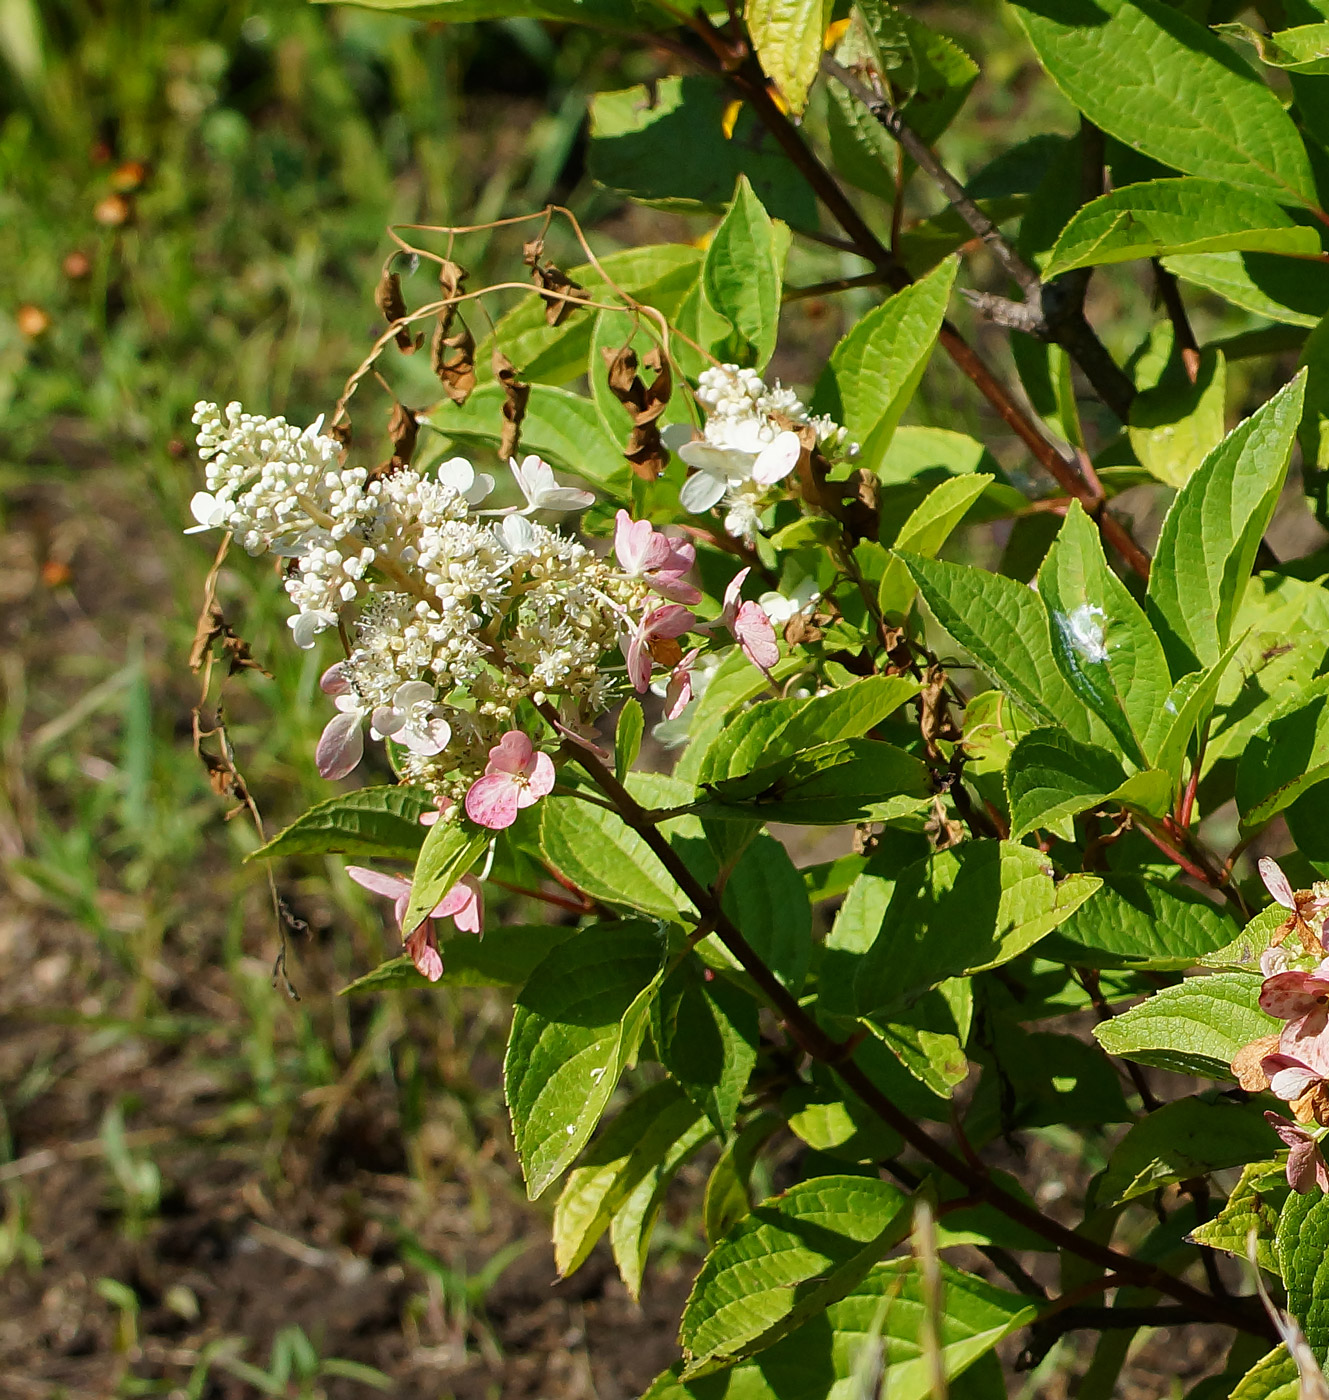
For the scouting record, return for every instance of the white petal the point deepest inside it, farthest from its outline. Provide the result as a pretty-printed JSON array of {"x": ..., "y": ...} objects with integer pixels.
[
  {"x": 410, "y": 693},
  {"x": 457, "y": 473},
  {"x": 777, "y": 460},
  {"x": 517, "y": 534},
  {"x": 429, "y": 740},
  {"x": 674, "y": 435},
  {"x": 386, "y": 722},
  {"x": 484, "y": 484},
  {"x": 306, "y": 626},
  {"x": 700, "y": 492},
  {"x": 723, "y": 462},
  {"x": 563, "y": 498}
]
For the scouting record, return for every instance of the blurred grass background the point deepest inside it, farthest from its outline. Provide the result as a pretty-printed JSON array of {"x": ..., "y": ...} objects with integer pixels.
[{"x": 208, "y": 1189}]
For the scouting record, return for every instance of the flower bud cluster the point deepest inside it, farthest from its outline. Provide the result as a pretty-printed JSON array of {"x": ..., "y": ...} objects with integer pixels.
[{"x": 750, "y": 443}]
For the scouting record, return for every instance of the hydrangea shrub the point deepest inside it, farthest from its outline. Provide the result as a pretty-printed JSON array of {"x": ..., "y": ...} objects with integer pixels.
[{"x": 1078, "y": 795}]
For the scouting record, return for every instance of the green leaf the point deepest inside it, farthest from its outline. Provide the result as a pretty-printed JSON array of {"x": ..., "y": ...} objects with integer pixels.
[
  {"x": 634, "y": 1221},
  {"x": 1193, "y": 1028},
  {"x": 773, "y": 730},
  {"x": 614, "y": 1166},
  {"x": 505, "y": 957},
  {"x": 742, "y": 276},
  {"x": 707, "y": 1035},
  {"x": 561, "y": 426},
  {"x": 1254, "y": 1204},
  {"x": 852, "y": 780},
  {"x": 1302, "y": 1246},
  {"x": 666, "y": 146},
  {"x": 1102, "y": 640},
  {"x": 930, "y": 74},
  {"x": 862, "y": 152},
  {"x": 1213, "y": 529},
  {"x": 765, "y": 896},
  {"x": 1274, "y": 1377},
  {"x": 1303, "y": 49},
  {"x": 928, "y": 1039},
  {"x": 927, "y": 528},
  {"x": 1176, "y": 216},
  {"x": 627, "y": 737},
  {"x": 1004, "y": 627},
  {"x": 930, "y": 452},
  {"x": 658, "y": 275},
  {"x": 577, "y": 1023},
  {"x": 1175, "y": 425},
  {"x": 875, "y": 369},
  {"x": 379, "y": 822},
  {"x": 598, "y": 852},
  {"x": 449, "y": 851},
  {"x": 1165, "y": 85},
  {"x": 727, "y": 1201},
  {"x": 1052, "y": 777},
  {"x": 1295, "y": 293},
  {"x": 787, "y": 35},
  {"x": 962, "y": 911},
  {"x": 789, "y": 1259},
  {"x": 820, "y": 1358},
  {"x": 1190, "y": 704},
  {"x": 1286, "y": 756},
  {"x": 1181, "y": 1140},
  {"x": 1136, "y": 920},
  {"x": 628, "y": 15}
]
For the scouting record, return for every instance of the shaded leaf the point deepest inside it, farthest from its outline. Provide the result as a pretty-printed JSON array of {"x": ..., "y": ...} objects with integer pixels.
[{"x": 370, "y": 822}]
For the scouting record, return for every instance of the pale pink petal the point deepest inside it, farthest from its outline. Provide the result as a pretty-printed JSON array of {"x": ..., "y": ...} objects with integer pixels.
[
  {"x": 672, "y": 620},
  {"x": 1304, "y": 1166},
  {"x": 399, "y": 908},
  {"x": 393, "y": 886},
  {"x": 679, "y": 690},
  {"x": 511, "y": 754},
  {"x": 732, "y": 597},
  {"x": 638, "y": 657},
  {"x": 1276, "y": 882},
  {"x": 675, "y": 589},
  {"x": 424, "y": 952},
  {"x": 1306, "y": 1040},
  {"x": 539, "y": 780},
  {"x": 340, "y": 747},
  {"x": 754, "y": 633},
  {"x": 632, "y": 542},
  {"x": 1290, "y": 1132},
  {"x": 334, "y": 681},
  {"x": 492, "y": 801},
  {"x": 1273, "y": 961},
  {"x": 385, "y": 722},
  {"x": 1288, "y": 1081},
  {"x": 776, "y": 460},
  {"x": 462, "y": 904},
  {"x": 1291, "y": 994}
]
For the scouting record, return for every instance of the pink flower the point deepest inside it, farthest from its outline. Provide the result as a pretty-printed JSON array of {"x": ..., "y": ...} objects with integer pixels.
[
  {"x": 670, "y": 620},
  {"x": 1305, "y": 1162},
  {"x": 679, "y": 690},
  {"x": 517, "y": 775},
  {"x": 462, "y": 904},
  {"x": 1306, "y": 907},
  {"x": 646, "y": 553},
  {"x": 749, "y": 624}
]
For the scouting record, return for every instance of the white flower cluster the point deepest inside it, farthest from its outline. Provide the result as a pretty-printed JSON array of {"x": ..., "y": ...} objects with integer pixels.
[
  {"x": 454, "y": 619},
  {"x": 748, "y": 445}
]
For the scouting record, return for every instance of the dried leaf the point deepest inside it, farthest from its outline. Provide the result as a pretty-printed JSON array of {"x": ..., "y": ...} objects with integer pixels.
[
  {"x": 452, "y": 358},
  {"x": 515, "y": 395},
  {"x": 1246, "y": 1063},
  {"x": 567, "y": 293},
  {"x": 213, "y": 629},
  {"x": 644, "y": 402},
  {"x": 389, "y": 300},
  {"x": 934, "y": 716},
  {"x": 403, "y": 430}
]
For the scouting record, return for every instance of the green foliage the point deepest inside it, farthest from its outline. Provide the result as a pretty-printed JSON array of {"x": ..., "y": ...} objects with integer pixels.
[
  {"x": 1303, "y": 1232},
  {"x": 375, "y": 821}
]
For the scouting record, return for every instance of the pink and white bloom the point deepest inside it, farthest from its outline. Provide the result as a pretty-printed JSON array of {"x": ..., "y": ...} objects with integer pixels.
[
  {"x": 341, "y": 746},
  {"x": 535, "y": 478},
  {"x": 746, "y": 453},
  {"x": 670, "y": 620},
  {"x": 749, "y": 625},
  {"x": 517, "y": 775},
  {"x": 1306, "y": 908},
  {"x": 646, "y": 553},
  {"x": 413, "y": 719},
  {"x": 462, "y": 904},
  {"x": 1306, "y": 1167},
  {"x": 678, "y": 693}
]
